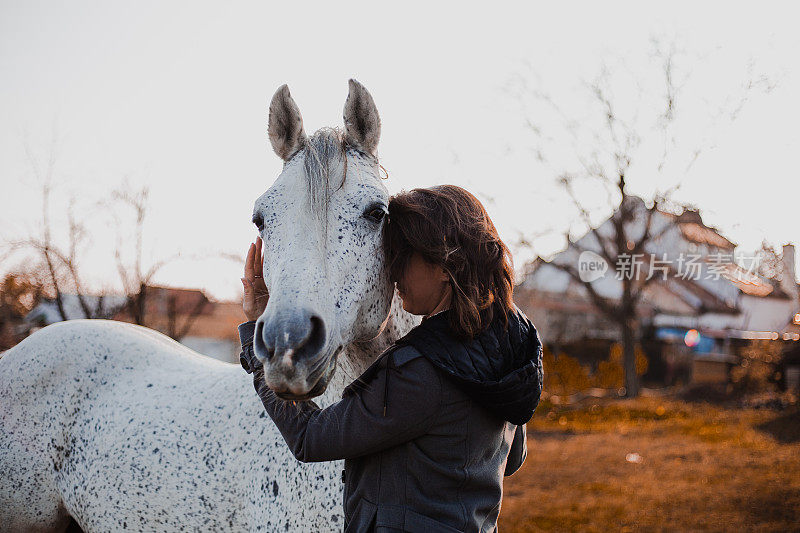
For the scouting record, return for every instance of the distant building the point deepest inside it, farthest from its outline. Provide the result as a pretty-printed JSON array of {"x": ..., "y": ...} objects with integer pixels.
[
  {"x": 46, "y": 312},
  {"x": 187, "y": 315},
  {"x": 689, "y": 323}
]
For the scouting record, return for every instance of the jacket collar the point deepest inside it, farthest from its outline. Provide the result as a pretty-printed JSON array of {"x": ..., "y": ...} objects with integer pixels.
[{"x": 501, "y": 368}]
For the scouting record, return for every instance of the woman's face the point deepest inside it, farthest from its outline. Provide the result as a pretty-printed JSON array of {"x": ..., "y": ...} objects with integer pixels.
[{"x": 423, "y": 287}]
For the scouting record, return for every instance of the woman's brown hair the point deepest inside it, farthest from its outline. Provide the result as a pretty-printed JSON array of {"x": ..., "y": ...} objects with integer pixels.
[{"x": 449, "y": 227}]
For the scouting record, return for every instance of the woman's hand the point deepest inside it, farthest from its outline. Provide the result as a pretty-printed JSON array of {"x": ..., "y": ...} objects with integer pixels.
[{"x": 256, "y": 294}]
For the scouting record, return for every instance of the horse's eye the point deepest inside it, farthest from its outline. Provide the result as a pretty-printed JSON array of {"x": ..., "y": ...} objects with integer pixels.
[
  {"x": 376, "y": 214},
  {"x": 258, "y": 220}
]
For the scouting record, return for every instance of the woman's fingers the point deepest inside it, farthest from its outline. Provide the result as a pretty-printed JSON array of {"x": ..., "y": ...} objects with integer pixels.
[
  {"x": 256, "y": 295},
  {"x": 248, "y": 263},
  {"x": 258, "y": 265}
]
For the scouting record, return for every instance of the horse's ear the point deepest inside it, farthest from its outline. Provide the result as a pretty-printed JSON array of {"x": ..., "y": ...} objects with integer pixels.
[
  {"x": 362, "y": 125},
  {"x": 285, "y": 124}
]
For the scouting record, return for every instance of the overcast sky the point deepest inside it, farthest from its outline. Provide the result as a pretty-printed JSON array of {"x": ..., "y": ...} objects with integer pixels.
[{"x": 175, "y": 95}]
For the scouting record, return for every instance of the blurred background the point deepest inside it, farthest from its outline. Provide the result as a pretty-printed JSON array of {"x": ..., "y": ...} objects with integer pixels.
[{"x": 639, "y": 163}]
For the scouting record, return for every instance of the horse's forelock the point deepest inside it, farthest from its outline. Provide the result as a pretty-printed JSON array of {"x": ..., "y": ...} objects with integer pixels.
[
  {"x": 327, "y": 146},
  {"x": 323, "y": 149}
]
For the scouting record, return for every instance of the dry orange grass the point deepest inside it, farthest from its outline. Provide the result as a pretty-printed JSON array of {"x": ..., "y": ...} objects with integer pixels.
[{"x": 702, "y": 468}]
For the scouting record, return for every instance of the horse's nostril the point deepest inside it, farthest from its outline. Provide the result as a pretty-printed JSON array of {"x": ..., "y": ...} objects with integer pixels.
[
  {"x": 263, "y": 347},
  {"x": 316, "y": 337}
]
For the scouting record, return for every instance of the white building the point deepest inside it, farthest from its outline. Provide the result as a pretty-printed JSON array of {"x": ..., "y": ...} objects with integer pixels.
[{"x": 697, "y": 285}]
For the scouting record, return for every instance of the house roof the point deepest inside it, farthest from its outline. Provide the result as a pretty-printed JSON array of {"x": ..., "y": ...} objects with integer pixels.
[
  {"x": 704, "y": 235},
  {"x": 750, "y": 283},
  {"x": 695, "y": 230},
  {"x": 161, "y": 299},
  {"x": 46, "y": 311}
]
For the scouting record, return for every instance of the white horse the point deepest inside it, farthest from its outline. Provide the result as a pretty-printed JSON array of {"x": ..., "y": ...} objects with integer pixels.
[{"x": 111, "y": 426}]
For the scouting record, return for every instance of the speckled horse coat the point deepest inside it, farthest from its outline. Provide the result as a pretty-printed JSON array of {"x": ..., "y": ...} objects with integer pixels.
[{"x": 122, "y": 428}]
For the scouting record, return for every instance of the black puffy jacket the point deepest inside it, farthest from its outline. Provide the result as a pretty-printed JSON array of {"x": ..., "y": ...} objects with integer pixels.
[
  {"x": 428, "y": 431},
  {"x": 499, "y": 369}
]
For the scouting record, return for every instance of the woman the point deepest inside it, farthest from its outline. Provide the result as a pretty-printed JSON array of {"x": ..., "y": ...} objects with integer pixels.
[{"x": 428, "y": 452}]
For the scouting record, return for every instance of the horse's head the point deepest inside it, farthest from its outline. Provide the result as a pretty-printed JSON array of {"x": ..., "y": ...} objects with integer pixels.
[{"x": 321, "y": 224}]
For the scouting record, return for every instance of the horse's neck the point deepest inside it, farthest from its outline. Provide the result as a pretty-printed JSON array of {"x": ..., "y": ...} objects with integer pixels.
[{"x": 356, "y": 357}]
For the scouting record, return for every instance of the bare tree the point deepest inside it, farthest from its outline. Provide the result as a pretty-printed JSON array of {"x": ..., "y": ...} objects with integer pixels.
[
  {"x": 137, "y": 280},
  {"x": 608, "y": 163},
  {"x": 59, "y": 270},
  {"x": 60, "y": 264}
]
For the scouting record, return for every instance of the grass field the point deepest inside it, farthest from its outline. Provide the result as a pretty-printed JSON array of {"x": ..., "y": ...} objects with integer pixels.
[{"x": 700, "y": 467}]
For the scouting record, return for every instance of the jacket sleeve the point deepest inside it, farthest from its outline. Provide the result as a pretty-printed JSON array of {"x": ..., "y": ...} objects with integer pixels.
[
  {"x": 356, "y": 425},
  {"x": 518, "y": 451},
  {"x": 246, "y": 357}
]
